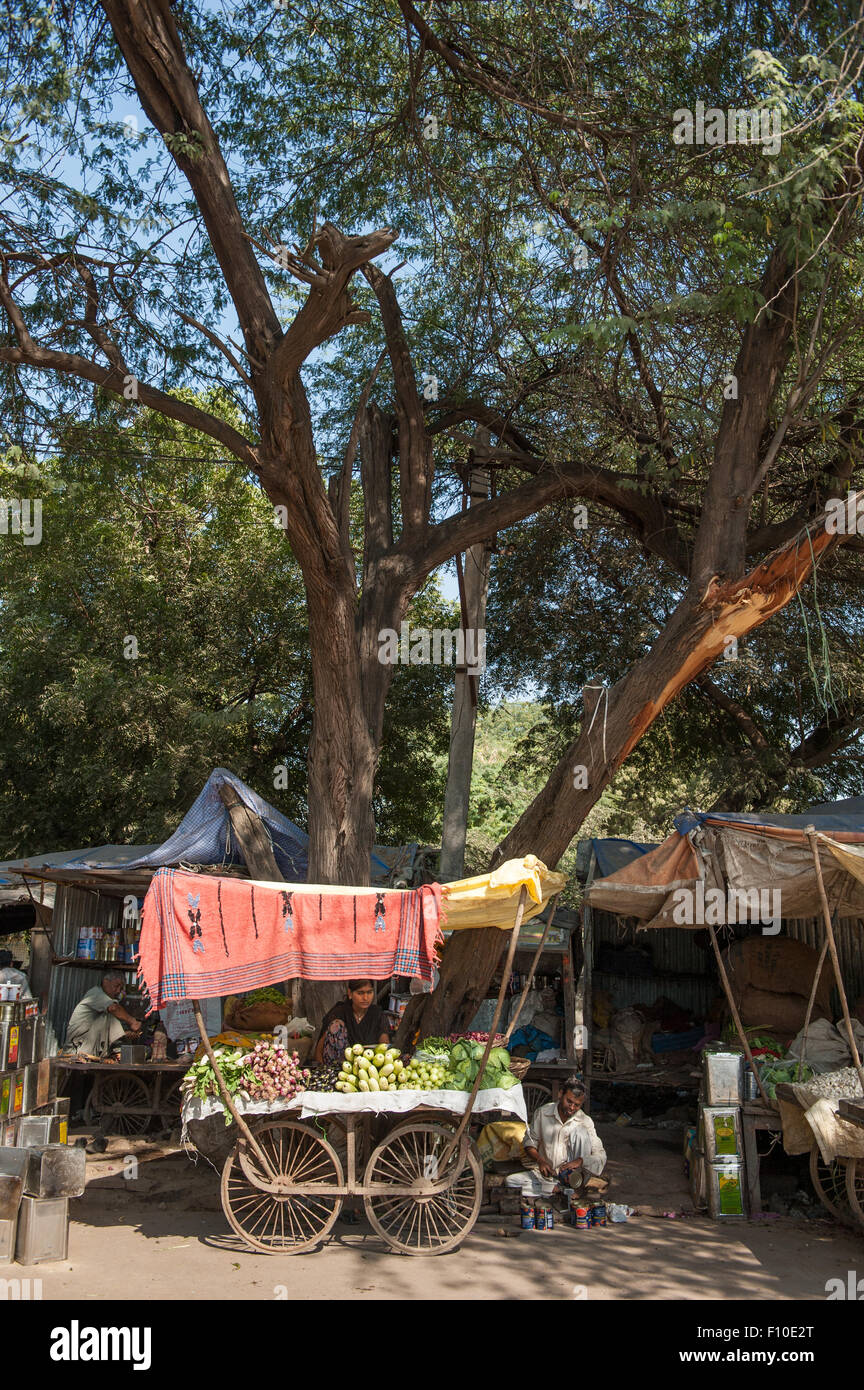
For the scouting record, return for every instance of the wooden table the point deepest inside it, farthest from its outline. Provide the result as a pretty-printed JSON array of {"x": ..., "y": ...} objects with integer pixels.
[{"x": 756, "y": 1115}]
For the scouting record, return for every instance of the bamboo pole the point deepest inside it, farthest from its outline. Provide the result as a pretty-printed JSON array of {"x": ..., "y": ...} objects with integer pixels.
[
  {"x": 832, "y": 947},
  {"x": 493, "y": 1028},
  {"x": 735, "y": 1014},
  {"x": 812, "y": 1000},
  {"x": 227, "y": 1098},
  {"x": 537, "y": 954}
]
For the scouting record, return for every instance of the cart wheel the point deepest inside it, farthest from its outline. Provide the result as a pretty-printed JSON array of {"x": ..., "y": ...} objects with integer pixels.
[
  {"x": 112, "y": 1113},
  {"x": 829, "y": 1180},
  {"x": 428, "y": 1222},
  {"x": 536, "y": 1094},
  {"x": 855, "y": 1187},
  {"x": 284, "y": 1222},
  {"x": 172, "y": 1102}
]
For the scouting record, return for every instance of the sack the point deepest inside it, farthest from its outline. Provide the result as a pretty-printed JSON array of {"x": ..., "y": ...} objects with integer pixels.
[
  {"x": 827, "y": 1046},
  {"x": 627, "y": 1030},
  {"x": 778, "y": 965},
  {"x": 261, "y": 1017},
  {"x": 782, "y": 1013}
]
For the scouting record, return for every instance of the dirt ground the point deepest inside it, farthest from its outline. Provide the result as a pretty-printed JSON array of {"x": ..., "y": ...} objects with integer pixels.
[{"x": 162, "y": 1234}]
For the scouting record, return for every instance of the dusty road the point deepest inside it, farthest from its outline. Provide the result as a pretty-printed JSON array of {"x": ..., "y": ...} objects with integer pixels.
[{"x": 163, "y": 1235}]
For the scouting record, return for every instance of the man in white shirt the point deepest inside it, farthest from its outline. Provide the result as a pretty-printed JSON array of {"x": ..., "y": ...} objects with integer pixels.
[{"x": 561, "y": 1141}]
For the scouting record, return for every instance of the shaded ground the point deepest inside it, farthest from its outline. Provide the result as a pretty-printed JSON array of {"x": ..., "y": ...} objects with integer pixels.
[{"x": 162, "y": 1234}]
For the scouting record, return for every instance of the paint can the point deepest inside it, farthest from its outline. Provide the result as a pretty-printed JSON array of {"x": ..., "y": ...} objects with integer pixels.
[
  {"x": 526, "y": 1214},
  {"x": 86, "y": 944},
  {"x": 579, "y": 1216},
  {"x": 540, "y": 1211},
  {"x": 598, "y": 1214}
]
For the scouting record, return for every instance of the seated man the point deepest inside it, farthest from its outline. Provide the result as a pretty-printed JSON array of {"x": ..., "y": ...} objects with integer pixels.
[
  {"x": 98, "y": 1020},
  {"x": 561, "y": 1142}
]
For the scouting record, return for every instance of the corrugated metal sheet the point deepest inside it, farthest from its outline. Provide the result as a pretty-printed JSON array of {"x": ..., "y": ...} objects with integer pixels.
[
  {"x": 688, "y": 992},
  {"x": 75, "y": 908}
]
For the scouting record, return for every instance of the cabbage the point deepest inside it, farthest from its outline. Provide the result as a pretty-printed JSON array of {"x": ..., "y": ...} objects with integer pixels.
[{"x": 499, "y": 1057}]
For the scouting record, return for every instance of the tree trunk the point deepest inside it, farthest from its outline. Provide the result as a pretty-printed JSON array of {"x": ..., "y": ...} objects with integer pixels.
[{"x": 613, "y": 723}]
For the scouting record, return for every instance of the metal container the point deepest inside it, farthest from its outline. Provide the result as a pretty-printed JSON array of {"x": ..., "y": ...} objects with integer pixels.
[
  {"x": 43, "y": 1230},
  {"x": 133, "y": 1052},
  {"x": 9, "y": 1133},
  {"x": 14, "y": 1161},
  {"x": 16, "y": 1094},
  {"x": 31, "y": 1086},
  {"x": 10, "y": 1045},
  {"x": 720, "y": 1132},
  {"x": 35, "y": 1131},
  {"x": 727, "y": 1190},
  {"x": 55, "y": 1171},
  {"x": 46, "y": 1085},
  {"x": 11, "y": 1187},
  {"x": 25, "y": 1045},
  {"x": 526, "y": 1214},
  {"x": 597, "y": 1213},
  {"x": 723, "y": 1074},
  {"x": 39, "y": 1031},
  {"x": 7, "y": 1241},
  {"x": 10, "y": 1012},
  {"x": 698, "y": 1180}
]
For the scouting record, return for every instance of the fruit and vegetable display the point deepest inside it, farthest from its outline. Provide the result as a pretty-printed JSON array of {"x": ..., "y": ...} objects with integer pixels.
[
  {"x": 382, "y": 1069},
  {"x": 267, "y": 1072},
  {"x": 773, "y": 1074},
  {"x": 466, "y": 1057}
]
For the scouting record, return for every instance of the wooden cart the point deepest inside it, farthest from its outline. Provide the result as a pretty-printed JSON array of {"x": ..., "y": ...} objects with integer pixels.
[
  {"x": 422, "y": 1192},
  {"x": 126, "y": 1096},
  {"x": 839, "y": 1184}
]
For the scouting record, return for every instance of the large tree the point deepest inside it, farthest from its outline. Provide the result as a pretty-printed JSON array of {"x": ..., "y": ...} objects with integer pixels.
[{"x": 670, "y": 374}]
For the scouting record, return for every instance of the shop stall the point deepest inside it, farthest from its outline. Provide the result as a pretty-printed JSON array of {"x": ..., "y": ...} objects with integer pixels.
[{"x": 387, "y": 1133}]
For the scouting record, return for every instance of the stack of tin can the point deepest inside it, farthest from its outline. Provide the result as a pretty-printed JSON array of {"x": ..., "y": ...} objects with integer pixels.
[
  {"x": 584, "y": 1214},
  {"x": 716, "y": 1162}
]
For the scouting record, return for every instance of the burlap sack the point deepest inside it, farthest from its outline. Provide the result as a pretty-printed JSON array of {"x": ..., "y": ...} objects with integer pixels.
[
  {"x": 260, "y": 1017},
  {"x": 779, "y": 965},
  {"x": 784, "y": 1013}
]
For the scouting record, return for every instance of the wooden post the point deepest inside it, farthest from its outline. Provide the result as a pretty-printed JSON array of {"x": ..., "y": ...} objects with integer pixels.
[
  {"x": 493, "y": 1028},
  {"x": 537, "y": 954},
  {"x": 227, "y": 1097},
  {"x": 586, "y": 984},
  {"x": 735, "y": 1014},
  {"x": 812, "y": 1000},
  {"x": 832, "y": 947}
]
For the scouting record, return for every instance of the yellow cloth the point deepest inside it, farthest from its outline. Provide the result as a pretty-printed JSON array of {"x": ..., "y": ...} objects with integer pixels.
[
  {"x": 491, "y": 900},
  {"x": 850, "y": 856},
  {"x": 232, "y": 1039}
]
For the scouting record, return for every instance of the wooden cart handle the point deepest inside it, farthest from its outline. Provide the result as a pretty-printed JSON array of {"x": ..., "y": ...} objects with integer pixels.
[{"x": 228, "y": 1099}]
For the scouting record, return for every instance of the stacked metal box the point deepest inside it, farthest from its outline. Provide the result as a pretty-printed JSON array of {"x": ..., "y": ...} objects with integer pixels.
[
  {"x": 719, "y": 1180},
  {"x": 38, "y": 1171}
]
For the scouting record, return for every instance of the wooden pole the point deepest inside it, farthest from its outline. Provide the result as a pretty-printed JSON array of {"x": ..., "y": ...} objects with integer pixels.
[
  {"x": 493, "y": 1028},
  {"x": 537, "y": 954},
  {"x": 832, "y": 947},
  {"x": 227, "y": 1098},
  {"x": 735, "y": 1014},
  {"x": 812, "y": 1000}
]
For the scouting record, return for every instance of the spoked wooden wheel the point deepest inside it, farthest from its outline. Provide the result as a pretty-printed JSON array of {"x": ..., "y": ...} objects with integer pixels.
[
  {"x": 829, "y": 1180},
  {"x": 424, "y": 1221},
  {"x": 855, "y": 1188},
  {"x": 122, "y": 1106},
  {"x": 295, "y": 1215},
  {"x": 172, "y": 1101},
  {"x": 536, "y": 1094}
]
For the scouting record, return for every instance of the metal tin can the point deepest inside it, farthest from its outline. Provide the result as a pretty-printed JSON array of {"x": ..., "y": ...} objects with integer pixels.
[
  {"x": 526, "y": 1215},
  {"x": 43, "y": 1230},
  {"x": 539, "y": 1217},
  {"x": 598, "y": 1214},
  {"x": 86, "y": 945}
]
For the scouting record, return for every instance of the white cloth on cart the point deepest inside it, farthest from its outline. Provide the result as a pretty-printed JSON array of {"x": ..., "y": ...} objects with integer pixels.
[{"x": 310, "y": 1103}]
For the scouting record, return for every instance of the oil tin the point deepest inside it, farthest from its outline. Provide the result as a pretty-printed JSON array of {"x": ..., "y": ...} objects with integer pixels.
[
  {"x": 540, "y": 1211},
  {"x": 16, "y": 1094},
  {"x": 35, "y": 1131},
  {"x": 723, "y": 1076},
  {"x": 597, "y": 1213},
  {"x": 7, "y": 1241},
  {"x": 86, "y": 944},
  {"x": 55, "y": 1171},
  {"x": 720, "y": 1132},
  {"x": 6, "y": 1083},
  {"x": 43, "y": 1230},
  {"x": 27, "y": 1040},
  {"x": 526, "y": 1214},
  {"x": 726, "y": 1190},
  {"x": 46, "y": 1084},
  {"x": 10, "y": 1042},
  {"x": 31, "y": 1086},
  {"x": 39, "y": 1030},
  {"x": 9, "y": 1134},
  {"x": 11, "y": 1187},
  {"x": 10, "y": 1011}
]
